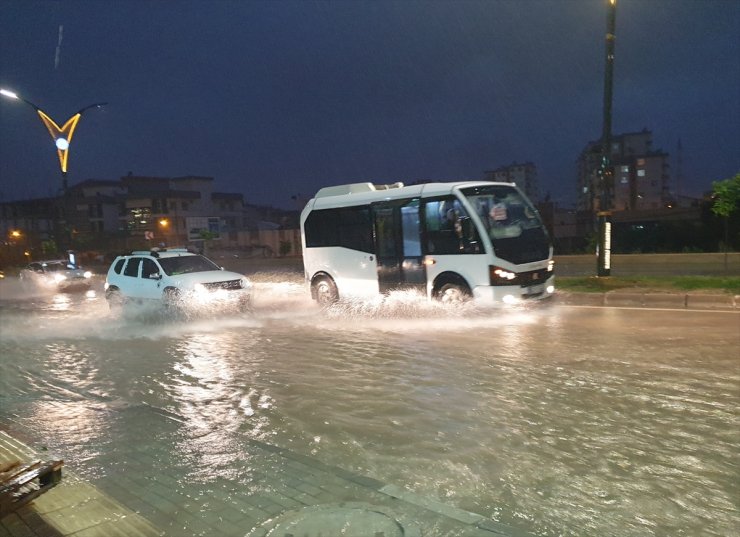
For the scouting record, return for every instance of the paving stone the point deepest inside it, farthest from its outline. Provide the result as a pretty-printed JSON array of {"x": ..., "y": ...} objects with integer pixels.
[
  {"x": 304, "y": 498},
  {"x": 309, "y": 489},
  {"x": 120, "y": 528},
  {"x": 432, "y": 505},
  {"x": 36, "y": 522},
  {"x": 16, "y": 527},
  {"x": 164, "y": 505}
]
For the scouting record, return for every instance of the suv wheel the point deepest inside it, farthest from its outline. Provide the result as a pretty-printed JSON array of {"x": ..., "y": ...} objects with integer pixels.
[
  {"x": 115, "y": 299},
  {"x": 172, "y": 300}
]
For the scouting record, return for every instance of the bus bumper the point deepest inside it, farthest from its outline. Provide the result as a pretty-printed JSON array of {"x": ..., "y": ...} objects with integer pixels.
[{"x": 512, "y": 294}]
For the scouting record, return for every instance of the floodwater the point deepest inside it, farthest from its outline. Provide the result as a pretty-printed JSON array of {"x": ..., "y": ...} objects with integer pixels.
[{"x": 561, "y": 420}]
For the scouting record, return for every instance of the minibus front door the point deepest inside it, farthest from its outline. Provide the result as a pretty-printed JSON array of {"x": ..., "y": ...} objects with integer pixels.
[{"x": 398, "y": 246}]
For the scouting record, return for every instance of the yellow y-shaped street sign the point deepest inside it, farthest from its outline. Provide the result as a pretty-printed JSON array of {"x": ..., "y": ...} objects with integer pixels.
[{"x": 62, "y": 136}]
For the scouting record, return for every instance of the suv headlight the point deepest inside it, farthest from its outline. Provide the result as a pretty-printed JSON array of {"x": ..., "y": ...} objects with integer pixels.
[{"x": 199, "y": 289}]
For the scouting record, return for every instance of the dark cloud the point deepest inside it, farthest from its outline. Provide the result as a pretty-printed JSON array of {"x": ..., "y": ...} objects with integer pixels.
[{"x": 279, "y": 98}]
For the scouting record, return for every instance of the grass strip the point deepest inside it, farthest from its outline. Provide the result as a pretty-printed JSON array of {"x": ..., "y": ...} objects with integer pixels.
[{"x": 594, "y": 284}]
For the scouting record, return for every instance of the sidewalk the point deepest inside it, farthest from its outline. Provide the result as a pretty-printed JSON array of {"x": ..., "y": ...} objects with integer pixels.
[
  {"x": 651, "y": 299},
  {"x": 70, "y": 508},
  {"x": 298, "y": 496}
]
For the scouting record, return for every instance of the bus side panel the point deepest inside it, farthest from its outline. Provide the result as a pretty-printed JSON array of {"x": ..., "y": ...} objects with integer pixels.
[
  {"x": 474, "y": 269},
  {"x": 355, "y": 273}
]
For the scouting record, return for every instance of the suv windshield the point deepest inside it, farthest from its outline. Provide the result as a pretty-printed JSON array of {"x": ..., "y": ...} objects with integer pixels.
[
  {"x": 186, "y": 263},
  {"x": 511, "y": 222}
]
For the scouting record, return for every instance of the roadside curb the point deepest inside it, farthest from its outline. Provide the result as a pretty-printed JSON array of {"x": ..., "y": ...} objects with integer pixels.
[{"x": 646, "y": 299}]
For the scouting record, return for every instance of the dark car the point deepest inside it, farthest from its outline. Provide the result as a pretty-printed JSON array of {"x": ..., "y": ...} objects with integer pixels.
[{"x": 58, "y": 274}]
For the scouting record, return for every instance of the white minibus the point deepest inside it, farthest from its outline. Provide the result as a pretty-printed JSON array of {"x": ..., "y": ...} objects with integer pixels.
[{"x": 451, "y": 241}]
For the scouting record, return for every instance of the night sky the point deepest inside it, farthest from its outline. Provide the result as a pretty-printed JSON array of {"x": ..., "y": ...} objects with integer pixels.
[{"x": 277, "y": 99}]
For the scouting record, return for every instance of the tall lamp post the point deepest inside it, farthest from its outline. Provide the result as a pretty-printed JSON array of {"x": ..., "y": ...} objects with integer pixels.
[
  {"x": 62, "y": 136},
  {"x": 605, "y": 172}
]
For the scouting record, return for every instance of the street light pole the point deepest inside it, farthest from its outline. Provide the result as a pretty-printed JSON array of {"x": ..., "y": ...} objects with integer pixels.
[
  {"x": 62, "y": 136},
  {"x": 605, "y": 171}
]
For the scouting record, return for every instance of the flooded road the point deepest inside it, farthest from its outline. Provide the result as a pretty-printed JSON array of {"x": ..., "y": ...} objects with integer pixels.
[{"x": 559, "y": 420}]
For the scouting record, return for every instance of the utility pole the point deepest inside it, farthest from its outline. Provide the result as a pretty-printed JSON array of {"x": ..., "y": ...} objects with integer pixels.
[{"x": 606, "y": 172}]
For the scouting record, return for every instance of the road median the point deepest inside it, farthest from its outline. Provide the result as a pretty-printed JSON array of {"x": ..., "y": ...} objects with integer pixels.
[{"x": 651, "y": 299}]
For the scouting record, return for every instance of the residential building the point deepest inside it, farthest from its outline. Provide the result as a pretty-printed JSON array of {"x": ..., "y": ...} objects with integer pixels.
[
  {"x": 522, "y": 175},
  {"x": 641, "y": 178},
  {"x": 142, "y": 212}
]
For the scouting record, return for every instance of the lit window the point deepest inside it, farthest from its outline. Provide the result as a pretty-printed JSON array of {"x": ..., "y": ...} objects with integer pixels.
[
  {"x": 640, "y": 161},
  {"x": 640, "y": 173},
  {"x": 625, "y": 169}
]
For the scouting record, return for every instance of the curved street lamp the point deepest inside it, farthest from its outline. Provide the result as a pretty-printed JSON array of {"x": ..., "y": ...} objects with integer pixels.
[{"x": 62, "y": 136}]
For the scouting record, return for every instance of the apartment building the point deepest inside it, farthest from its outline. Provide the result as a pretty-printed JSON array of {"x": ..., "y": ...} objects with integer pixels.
[
  {"x": 142, "y": 211},
  {"x": 641, "y": 174},
  {"x": 522, "y": 175}
]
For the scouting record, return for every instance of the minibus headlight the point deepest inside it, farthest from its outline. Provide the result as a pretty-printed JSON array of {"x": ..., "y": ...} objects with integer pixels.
[
  {"x": 501, "y": 276},
  {"x": 550, "y": 265}
]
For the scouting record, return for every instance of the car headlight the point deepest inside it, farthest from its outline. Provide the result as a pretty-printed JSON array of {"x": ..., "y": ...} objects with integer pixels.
[
  {"x": 199, "y": 289},
  {"x": 245, "y": 283}
]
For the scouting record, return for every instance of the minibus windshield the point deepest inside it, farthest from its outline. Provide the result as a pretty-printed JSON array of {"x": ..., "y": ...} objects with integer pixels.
[{"x": 511, "y": 222}]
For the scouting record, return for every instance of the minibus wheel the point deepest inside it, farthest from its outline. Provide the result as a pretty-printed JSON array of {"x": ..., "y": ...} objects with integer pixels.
[
  {"x": 453, "y": 293},
  {"x": 326, "y": 291}
]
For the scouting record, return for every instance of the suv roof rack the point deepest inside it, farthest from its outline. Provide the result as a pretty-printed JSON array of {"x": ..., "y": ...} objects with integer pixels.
[{"x": 154, "y": 252}]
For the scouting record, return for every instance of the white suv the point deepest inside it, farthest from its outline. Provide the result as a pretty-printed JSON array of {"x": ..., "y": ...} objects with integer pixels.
[{"x": 176, "y": 278}]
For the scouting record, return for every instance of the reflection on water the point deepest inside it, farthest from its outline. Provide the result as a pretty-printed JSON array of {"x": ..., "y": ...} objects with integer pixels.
[
  {"x": 569, "y": 421},
  {"x": 216, "y": 408}
]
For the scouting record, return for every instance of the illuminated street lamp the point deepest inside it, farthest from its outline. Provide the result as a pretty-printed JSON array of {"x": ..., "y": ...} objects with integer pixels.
[
  {"x": 62, "y": 136},
  {"x": 164, "y": 224}
]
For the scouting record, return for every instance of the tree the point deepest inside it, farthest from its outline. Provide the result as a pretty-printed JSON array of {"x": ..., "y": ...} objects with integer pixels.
[
  {"x": 726, "y": 196},
  {"x": 207, "y": 236}
]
